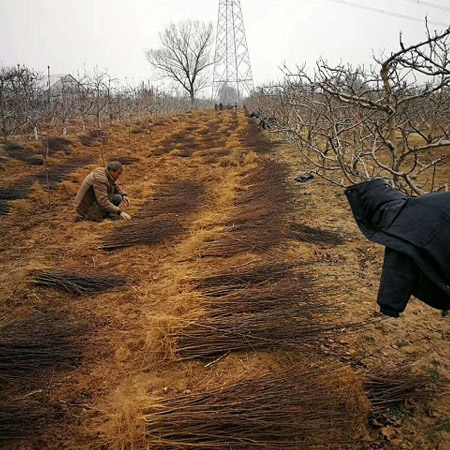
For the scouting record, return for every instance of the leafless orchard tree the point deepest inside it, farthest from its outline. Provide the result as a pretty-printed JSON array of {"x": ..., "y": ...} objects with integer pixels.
[
  {"x": 185, "y": 55},
  {"x": 27, "y": 103},
  {"x": 355, "y": 124},
  {"x": 84, "y": 101},
  {"x": 20, "y": 99}
]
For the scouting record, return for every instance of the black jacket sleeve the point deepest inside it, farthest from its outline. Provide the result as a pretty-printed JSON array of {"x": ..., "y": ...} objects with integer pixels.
[{"x": 398, "y": 281}]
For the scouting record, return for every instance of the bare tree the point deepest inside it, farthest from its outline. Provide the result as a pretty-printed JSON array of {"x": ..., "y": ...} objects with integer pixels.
[
  {"x": 26, "y": 103},
  {"x": 18, "y": 96},
  {"x": 185, "y": 55},
  {"x": 355, "y": 124}
]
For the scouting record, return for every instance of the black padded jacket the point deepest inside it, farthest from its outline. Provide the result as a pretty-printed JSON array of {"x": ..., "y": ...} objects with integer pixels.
[{"x": 416, "y": 234}]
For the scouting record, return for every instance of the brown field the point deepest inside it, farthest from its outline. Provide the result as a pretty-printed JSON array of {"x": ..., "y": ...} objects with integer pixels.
[{"x": 247, "y": 320}]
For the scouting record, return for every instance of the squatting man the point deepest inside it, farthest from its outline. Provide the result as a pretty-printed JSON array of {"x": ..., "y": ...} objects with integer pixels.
[{"x": 100, "y": 197}]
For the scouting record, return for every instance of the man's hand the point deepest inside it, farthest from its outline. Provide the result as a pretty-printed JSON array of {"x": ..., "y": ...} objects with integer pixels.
[
  {"x": 124, "y": 216},
  {"x": 126, "y": 200}
]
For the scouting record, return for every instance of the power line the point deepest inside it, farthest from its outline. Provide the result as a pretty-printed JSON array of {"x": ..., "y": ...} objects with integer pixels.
[
  {"x": 389, "y": 13},
  {"x": 431, "y": 5}
]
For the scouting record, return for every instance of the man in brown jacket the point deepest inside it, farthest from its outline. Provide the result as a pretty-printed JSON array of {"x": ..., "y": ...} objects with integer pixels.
[{"x": 99, "y": 195}]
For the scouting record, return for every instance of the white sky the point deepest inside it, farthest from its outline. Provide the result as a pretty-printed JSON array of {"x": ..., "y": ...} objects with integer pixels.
[{"x": 71, "y": 35}]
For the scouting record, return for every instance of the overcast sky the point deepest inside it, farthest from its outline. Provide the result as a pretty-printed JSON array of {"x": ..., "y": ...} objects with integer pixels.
[{"x": 71, "y": 35}]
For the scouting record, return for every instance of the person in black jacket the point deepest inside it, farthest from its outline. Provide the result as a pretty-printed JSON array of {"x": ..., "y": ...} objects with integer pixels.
[{"x": 416, "y": 234}]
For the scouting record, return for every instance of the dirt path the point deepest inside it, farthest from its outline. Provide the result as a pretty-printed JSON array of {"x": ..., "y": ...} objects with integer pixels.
[{"x": 235, "y": 275}]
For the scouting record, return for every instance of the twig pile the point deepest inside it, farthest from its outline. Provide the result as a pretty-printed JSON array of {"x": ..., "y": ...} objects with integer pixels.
[
  {"x": 388, "y": 388},
  {"x": 298, "y": 408},
  {"x": 304, "y": 233},
  {"x": 176, "y": 197},
  {"x": 93, "y": 137},
  {"x": 38, "y": 342},
  {"x": 18, "y": 190},
  {"x": 221, "y": 284},
  {"x": 49, "y": 178},
  {"x": 57, "y": 144},
  {"x": 169, "y": 144},
  {"x": 56, "y": 174},
  {"x": 255, "y": 224},
  {"x": 254, "y": 138},
  {"x": 213, "y": 156},
  {"x": 124, "y": 160},
  {"x": 222, "y": 331},
  {"x": 76, "y": 283},
  {"x": 159, "y": 219},
  {"x": 151, "y": 231},
  {"x": 18, "y": 152},
  {"x": 4, "y": 207},
  {"x": 262, "y": 307},
  {"x": 22, "y": 418}
]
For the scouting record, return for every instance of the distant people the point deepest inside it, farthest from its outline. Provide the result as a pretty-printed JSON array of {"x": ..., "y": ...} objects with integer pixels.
[
  {"x": 99, "y": 196},
  {"x": 235, "y": 106},
  {"x": 221, "y": 106},
  {"x": 216, "y": 107}
]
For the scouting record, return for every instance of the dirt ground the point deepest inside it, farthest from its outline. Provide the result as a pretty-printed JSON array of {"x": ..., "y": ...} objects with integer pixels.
[{"x": 125, "y": 339}]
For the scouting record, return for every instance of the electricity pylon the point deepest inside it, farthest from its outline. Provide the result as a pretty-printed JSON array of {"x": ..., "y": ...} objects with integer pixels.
[{"x": 232, "y": 79}]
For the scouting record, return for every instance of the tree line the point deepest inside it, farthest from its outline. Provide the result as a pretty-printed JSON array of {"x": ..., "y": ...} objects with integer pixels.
[{"x": 28, "y": 102}]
